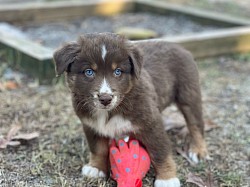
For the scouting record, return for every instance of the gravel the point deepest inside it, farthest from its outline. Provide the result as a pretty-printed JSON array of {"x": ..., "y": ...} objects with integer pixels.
[{"x": 54, "y": 34}]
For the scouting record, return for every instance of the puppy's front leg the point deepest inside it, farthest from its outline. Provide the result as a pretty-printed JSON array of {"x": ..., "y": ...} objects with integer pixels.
[
  {"x": 158, "y": 145},
  {"x": 98, "y": 161}
]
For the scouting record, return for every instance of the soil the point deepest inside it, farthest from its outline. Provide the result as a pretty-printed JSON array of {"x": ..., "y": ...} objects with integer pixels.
[{"x": 56, "y": 157}]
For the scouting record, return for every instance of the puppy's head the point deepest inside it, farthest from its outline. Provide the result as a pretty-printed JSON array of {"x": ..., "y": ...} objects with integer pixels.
[{"x": 101, "y": 68}]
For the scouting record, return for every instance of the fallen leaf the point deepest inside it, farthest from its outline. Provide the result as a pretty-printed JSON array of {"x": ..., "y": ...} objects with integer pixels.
[
  {"x": 28, "y": 136},
  {"x": 173, "y": 121},
  {"x": 3, "y": 143},
  {"x": 183, "y": 133},
  {"x": 172, "y": 125},
  {"x": 13, "y": 131},
  {"x": 184, "y": 155},
  {"x": 13, "y": 143},
  {"x": 210, "y": 179},
  {"x": 2, "y": 88},
  {"x": 191, "y": 178},
  {"x": 210, "y": 125},
  {"x": 10, "y": 85},
  {"x": 12, "y": 139}
]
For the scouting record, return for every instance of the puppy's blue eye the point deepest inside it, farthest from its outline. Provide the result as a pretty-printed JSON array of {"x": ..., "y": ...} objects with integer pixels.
[
  {"x": 89, "y": 72},
  {"x": 118, "y": 72}
]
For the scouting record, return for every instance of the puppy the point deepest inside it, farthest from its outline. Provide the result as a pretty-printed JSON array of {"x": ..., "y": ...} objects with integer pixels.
[{"x": 120, "y": 88}]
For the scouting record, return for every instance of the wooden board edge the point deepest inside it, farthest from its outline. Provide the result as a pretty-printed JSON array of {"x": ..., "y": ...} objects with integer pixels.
[
  {"x": 213, "y": 43},
  {"x": 62, "y": 10},
  {"x": 205, "y": 16}
]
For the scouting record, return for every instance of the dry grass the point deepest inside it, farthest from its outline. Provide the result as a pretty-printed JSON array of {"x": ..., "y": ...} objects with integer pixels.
[{"x": 56, "y": 157}]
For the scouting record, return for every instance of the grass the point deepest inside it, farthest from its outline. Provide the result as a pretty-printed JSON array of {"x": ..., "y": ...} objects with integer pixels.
[
  {"x": 56, "y": 157},
  {"x": 230, "y": 179}
]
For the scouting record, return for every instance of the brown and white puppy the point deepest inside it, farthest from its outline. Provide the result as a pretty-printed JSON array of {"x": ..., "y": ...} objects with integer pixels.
[{"x": 119, "y": 88}]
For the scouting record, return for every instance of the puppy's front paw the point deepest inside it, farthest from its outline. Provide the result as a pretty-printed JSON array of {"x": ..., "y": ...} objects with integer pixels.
[
  {"x": 193, "y": 157},
  {"x": 90, "y": 171},
  {"x": 173, "y": 182},
  {"x": 198, "y": 150},
  {"x": 198, "y": 153}
]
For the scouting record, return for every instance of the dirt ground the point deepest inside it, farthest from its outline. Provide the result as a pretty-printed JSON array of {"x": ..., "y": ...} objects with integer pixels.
[{"x": 56, "y": 157}]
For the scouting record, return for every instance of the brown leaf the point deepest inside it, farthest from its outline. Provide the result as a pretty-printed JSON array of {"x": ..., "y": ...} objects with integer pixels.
[
  {"x": 13, "y": 131},
  {"x": 184, "y": 155},
  {"x": 172, "y": 122},
  {"x": 2, "y": 88},
  {"x": 10, "y": 85},
  {"x": 13, "y": 143},
  {"x": 191, "y": 178},
  {"x": 27, "y": 136},
  {"x": 172, "y": 125},
  {"x": 3, "y": 143},
  {"x": 210, "y": 125},
  {"x": 210, "y": 180},
  {"x": 183, "y": 133},
  {"x": 12, "y": 137}
]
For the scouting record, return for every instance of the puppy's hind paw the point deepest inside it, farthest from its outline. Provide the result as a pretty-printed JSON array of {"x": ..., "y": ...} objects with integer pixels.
[
  {"x": 173, "y": 182},
  {"x": 90, "y": 171}
]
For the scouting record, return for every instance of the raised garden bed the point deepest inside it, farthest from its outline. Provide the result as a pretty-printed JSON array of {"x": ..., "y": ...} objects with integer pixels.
[
  {"x": 52, "y": 23},
  {"x": 54, "y": 34}
]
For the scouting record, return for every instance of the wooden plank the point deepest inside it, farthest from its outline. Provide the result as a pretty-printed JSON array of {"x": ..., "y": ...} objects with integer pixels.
[
  {"x": 37, "y": 60},
  {"x": 25, "y": 46},
  {"x": 214, "y": 43},
  {"x": 202, "y": 16},
  {"x": 225, "y": 41},
  {"x": 28, "y": 56},
  {"x": 61, "y": 10}
]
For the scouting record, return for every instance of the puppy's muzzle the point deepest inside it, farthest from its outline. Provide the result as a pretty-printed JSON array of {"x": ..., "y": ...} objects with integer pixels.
[{"x": 105, "y": 99}]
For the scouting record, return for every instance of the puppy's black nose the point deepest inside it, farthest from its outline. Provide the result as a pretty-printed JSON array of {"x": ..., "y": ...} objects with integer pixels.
[{"x": 105, "y": 99}]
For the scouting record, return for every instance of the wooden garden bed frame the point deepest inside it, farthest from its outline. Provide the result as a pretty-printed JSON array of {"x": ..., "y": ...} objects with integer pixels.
[{"x": 37, "y": 60}]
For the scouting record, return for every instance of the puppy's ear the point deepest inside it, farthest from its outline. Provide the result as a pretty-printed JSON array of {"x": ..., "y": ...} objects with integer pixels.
[
  {"x": 64, "y": 56},
  {"x": 136, "y": 60}
]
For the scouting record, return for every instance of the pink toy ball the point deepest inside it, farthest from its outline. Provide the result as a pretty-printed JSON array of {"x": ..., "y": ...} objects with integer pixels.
[{"x": 129, "y": 163}]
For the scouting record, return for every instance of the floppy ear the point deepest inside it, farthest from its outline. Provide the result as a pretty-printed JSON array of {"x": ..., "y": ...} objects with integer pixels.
[
  {"x": 136, "y": 60},
  {"x": 64, "y": 56}
]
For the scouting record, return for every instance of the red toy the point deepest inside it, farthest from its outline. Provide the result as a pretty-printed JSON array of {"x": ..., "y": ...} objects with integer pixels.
[{"x": 129, "y": 163}]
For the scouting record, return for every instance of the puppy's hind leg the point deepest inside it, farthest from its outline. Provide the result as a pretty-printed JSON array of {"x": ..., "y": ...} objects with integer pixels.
[
  {"x": 158, "y": 146},
  {"x": 188, "y": 101}
]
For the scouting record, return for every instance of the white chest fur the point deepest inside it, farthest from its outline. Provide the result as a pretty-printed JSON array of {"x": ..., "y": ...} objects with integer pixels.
[{"x": 114, "y": 127}]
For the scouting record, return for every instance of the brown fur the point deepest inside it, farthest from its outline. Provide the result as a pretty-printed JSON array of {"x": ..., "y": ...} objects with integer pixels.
[
  {"x": 153, "y": 78},
  {"x": 98, "y": 149}
]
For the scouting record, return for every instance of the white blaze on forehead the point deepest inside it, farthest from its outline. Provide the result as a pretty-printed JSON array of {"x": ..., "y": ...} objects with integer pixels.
[
  {"x": 104, "y": 52},
  {"x": 105, "y": 88}
]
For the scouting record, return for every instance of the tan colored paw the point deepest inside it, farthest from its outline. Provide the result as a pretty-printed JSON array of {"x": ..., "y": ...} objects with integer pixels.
[{"x": 198, "y": 152}]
